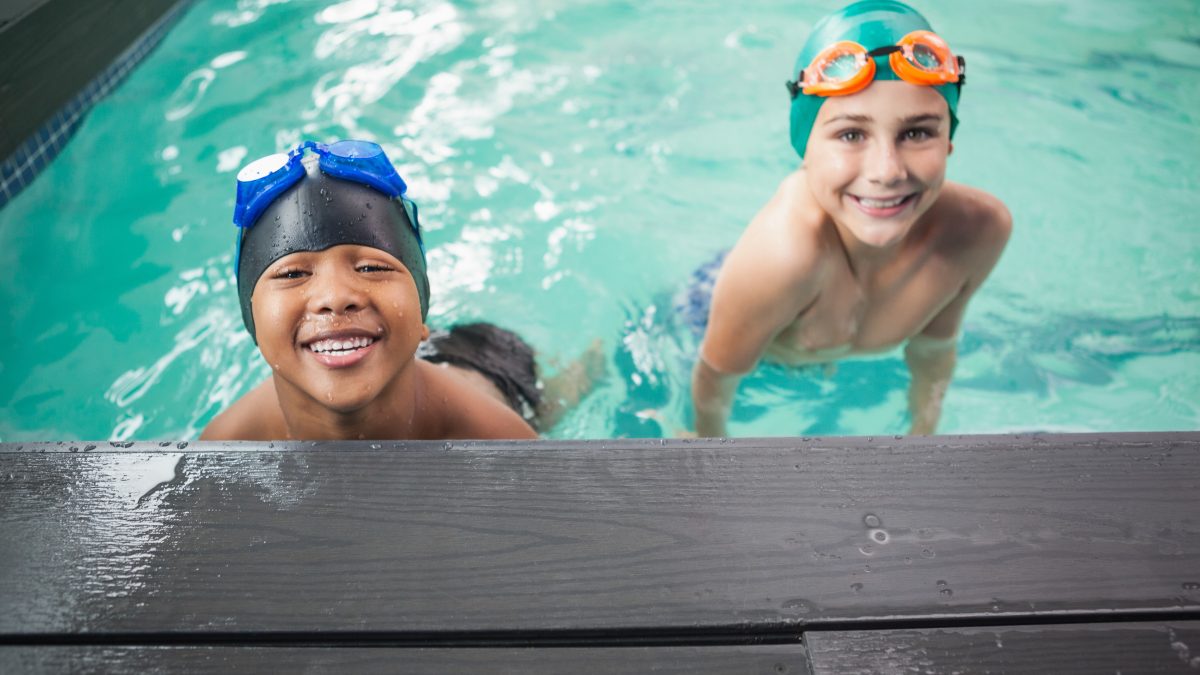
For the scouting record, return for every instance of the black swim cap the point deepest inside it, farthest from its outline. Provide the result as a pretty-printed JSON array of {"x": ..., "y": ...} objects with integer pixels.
[{"x": 320, "y": 212}]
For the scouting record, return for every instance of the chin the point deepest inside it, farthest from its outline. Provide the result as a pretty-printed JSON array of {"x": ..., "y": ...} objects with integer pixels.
[{"x": 881, "y": 236}]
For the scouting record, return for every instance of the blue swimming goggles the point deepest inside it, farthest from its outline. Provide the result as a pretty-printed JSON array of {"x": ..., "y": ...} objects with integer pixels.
[{"x": 262, "y": 180}]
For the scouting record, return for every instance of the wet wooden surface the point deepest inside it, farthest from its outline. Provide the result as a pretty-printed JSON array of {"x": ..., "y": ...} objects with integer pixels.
[
  {"x": 116, "y": 660},
  {"x": 592, "y": 544},
  {"x": 1085, "y": 648}
]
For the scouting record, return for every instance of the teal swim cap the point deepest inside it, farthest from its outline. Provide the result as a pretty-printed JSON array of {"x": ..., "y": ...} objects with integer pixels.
[{"x": 872, "y": 24}]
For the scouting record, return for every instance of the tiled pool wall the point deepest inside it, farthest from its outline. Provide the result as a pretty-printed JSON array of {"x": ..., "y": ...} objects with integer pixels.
[{"x": 38, "y": 149}]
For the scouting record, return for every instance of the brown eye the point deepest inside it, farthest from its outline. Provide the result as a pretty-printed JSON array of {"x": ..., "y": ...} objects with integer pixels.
[{"x": 373, "y": 267}]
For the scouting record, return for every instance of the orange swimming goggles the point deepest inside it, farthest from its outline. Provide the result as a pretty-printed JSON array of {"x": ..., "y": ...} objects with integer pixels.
[{"x": 846, "y": 67}]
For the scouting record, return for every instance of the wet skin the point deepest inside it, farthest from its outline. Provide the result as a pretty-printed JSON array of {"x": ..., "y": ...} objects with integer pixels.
[
  {"x": 340, "y": 329},
  {"x": 306, "y": 305},
  {"x": 862, "y": 249}
]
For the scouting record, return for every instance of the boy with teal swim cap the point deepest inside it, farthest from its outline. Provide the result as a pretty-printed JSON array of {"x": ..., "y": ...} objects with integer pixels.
[{"x": 866, "y": 246}]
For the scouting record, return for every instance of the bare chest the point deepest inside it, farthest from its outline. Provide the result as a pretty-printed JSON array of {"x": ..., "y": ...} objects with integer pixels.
[{"x": 847, "y": 318}]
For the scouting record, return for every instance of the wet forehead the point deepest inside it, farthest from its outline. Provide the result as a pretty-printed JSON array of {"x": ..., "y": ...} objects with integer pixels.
[
  {"x": 341, "y": 253},
  {"x": 889, "y": 102}
]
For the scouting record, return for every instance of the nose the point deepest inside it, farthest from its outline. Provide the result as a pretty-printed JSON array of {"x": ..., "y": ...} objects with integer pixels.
[
  {"x": 884, "y": 164},
  {"x": 333, "y": 290}
]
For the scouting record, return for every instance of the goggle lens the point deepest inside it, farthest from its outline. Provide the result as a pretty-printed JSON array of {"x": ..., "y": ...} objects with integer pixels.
[
  {"x": 841, "y": 67},
  {"x": 846, "y": 67},
  {"x": 263, "y": 167},
  {"x": 924, "y": 57}
]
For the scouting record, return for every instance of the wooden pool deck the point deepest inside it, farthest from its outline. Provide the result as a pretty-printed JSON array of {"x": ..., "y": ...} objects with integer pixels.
[{"x": 1047, "y": 553}]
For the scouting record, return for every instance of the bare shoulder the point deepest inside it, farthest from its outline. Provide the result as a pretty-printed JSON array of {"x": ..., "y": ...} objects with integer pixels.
[
  {"x": 977, "y": 221},
  {"x": 454, "y": 409},
  {"x": 774, "y": 272},
  {"x": 253, "y": 417},
  {"x": 784, "y": 246}
]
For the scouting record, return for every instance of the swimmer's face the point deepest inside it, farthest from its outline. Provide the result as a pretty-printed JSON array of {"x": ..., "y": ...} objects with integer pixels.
[
  {"x": 338, "y": 326},
  {"x": 876, "y": 160}
]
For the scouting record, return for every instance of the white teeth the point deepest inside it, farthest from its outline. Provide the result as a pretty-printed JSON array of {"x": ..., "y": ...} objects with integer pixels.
[
  {"x": 881, "y": 203},
  {"x": 340, "y": 347}
]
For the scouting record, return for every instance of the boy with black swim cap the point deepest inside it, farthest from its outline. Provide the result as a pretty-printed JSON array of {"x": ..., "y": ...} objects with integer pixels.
[
  {"x": 332, "y": 282},
  {"x": 866, "y": 246}
]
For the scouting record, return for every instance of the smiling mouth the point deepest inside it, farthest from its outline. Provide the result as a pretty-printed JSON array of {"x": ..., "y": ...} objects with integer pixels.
[
  {"x": 884, "y": 207},
  {"x": 343, "y": 347},
  {"x": 882, "y": 203}
]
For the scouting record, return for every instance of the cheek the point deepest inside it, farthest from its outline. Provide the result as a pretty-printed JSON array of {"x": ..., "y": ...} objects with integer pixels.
[
  {"x": 272, "y": 323},
  {"x": 831, "y": 169}
]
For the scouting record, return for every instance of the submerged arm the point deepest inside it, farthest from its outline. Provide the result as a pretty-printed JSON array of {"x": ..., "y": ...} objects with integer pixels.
[
  {"x": 931, "y": 363},
  {"x": 712, "y": 398}
]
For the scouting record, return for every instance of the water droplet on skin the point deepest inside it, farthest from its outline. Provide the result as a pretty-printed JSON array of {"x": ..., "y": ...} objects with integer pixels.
[
  {"x": 872, "y": 520},
  {"x": 946, "y": 592},
  {"x": 856, "y": 587}
]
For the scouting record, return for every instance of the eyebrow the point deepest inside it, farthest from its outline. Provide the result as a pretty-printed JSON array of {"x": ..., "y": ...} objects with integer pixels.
[
  {"x": 927, "y": 117},
  {"x": 848, "y": 118},
  {"x": 862, "y": 119}
]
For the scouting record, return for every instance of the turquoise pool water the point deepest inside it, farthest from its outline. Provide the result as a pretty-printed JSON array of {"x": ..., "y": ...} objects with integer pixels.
[{"x": 574, "y": 161}]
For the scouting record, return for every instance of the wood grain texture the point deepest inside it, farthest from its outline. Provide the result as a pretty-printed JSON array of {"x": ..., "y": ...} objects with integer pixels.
[
  {"x": 1099, "y": 648},
  {"x": 733, "y": 538},
  {"x": 763, "y": 660}
]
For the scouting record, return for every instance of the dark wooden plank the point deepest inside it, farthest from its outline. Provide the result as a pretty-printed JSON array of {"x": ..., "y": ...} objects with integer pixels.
[
  {"x": 1061, "y": 649},
  {"x": 738, "y": 537},
  {"x": 764, "y": 659}
]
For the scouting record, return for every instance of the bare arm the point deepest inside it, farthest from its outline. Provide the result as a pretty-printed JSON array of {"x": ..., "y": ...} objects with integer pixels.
[
  {"x": 931, "y": 363},
  {"x": 712, "y": 398},
  {"x": 932, "y": 353},
  {"x": 765, "y": 283}
]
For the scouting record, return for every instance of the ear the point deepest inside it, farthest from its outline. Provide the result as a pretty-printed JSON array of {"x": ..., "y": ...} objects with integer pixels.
[
  {"x": 950, "y": 150},
  {"x": 424, "y": 331}
]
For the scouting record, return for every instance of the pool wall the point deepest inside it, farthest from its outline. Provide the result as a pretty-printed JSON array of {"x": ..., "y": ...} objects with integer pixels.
[{"x": 57, "y": 59}]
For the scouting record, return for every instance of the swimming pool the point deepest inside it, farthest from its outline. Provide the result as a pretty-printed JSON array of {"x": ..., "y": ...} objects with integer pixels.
[{"x": 574, "y": 162}]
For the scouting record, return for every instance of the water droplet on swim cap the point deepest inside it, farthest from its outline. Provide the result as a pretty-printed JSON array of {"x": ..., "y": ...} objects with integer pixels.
[{"x": 872, "y": 24}]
